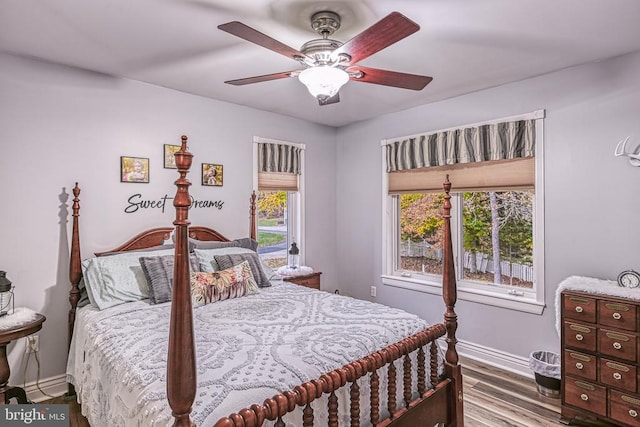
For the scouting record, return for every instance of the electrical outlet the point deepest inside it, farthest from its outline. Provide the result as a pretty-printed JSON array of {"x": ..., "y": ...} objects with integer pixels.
[
  {"x": 373, "y": 291},
  {"x": 33, "y": 344}
]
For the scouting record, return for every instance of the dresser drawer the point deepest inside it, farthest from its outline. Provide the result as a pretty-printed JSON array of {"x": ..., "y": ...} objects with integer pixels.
[
  {"x": 580, "y": 365},
  {"x": 619, "y": 375},
  {"x": 586, "y": 395},
  {"x": 617, "y": 344},
  {"x": 580, "y": 336},
  {"x": 580, "y": 308},
  {"x": 617, "y": 314},
  {"x": 624, "y": 408}
]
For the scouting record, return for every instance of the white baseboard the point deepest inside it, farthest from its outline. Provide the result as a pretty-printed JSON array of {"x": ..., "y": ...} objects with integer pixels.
[
  {"x": 509, "y": 362},
  {"x": 53, "y": 387}
]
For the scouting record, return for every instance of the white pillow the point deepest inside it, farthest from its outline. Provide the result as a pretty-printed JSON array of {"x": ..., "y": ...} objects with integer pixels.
[{"x": 118, "y": 278}]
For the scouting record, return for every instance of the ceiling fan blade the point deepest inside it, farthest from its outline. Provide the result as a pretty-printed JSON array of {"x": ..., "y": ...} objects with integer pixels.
[
  {"x": 326, "y": 101},
  {"x": 390, "y": 78},
  {"x": 243, "y": 31},
  {"x": 258, "y": 79},
  {"x": 389, "y": 30}
]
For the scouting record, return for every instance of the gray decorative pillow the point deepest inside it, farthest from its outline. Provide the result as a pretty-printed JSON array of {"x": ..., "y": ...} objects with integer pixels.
[
  {"x": 158, "y": 271},
  {"x": 231, "y": 260}
]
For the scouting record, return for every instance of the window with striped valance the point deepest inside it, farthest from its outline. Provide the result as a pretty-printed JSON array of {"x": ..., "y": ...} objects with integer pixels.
[
  {"x": 491, "y": 156},
  {"x": 279, "y": 166}
]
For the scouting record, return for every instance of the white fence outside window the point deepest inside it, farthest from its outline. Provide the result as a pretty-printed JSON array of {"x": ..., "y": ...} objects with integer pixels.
[{"x": 484, "y": 263}]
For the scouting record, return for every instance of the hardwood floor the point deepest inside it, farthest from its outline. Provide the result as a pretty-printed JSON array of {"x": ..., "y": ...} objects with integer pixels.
[{"x": 493, "y": 398}]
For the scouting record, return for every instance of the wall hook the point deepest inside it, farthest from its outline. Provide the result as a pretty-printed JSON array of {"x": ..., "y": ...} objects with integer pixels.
[{"x": 634, "y": 159}]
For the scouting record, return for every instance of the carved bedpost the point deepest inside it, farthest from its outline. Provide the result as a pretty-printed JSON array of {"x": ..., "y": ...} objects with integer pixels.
[
  {"x": 181, "y": 360},
  {"x": 252, "y": 231},
  {"x": 75, "y": 273},
  {"x": 449, "y": 294}
]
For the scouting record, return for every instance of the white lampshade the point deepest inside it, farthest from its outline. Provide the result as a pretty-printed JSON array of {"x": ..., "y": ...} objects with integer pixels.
[{"x": 323, "y": 81}]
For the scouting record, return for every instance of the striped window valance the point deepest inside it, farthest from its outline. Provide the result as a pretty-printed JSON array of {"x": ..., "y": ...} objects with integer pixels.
[
  {"x": 282, "y": 158},
  {"x": 491, "y": 142},
  {"x": 279, "y": 167}
]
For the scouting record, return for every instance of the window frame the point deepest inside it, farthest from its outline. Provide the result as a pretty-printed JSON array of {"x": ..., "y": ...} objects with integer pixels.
[
  {"x": 530, "y": 301},
  {"x": 295, "y": 199}
]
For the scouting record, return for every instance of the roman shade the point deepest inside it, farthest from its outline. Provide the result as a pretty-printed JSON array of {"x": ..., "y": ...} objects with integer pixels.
[
  {"x": 279, "y": 166},
  {"x": 495, "y": 156}
]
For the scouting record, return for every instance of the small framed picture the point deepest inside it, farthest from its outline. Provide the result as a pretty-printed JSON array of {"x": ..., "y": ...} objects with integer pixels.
[
  {"x": 169, "y": 156},
  {"x": 212, "y": 174},
  {"x": 134, "y": 169}
]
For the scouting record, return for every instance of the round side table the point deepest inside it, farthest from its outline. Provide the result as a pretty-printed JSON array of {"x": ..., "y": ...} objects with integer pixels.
[{"x": 6, "y": 336}]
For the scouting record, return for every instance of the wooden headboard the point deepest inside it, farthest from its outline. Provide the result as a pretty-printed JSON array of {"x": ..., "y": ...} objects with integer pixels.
[{"x": 157, "y": 236}]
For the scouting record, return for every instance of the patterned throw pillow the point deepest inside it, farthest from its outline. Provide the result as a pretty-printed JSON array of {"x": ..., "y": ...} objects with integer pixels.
[{"x": 216, "y": 286}]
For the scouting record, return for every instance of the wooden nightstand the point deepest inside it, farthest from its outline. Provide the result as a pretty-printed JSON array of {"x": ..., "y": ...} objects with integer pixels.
[
  {"x": 6, "y": 336},
  {"x": 309, "y": 280}
]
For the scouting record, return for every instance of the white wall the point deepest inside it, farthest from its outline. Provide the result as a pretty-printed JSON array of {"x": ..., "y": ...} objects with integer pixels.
[
  {"x": 61, "y": 125},
  {"x": 592, "y": 199}
]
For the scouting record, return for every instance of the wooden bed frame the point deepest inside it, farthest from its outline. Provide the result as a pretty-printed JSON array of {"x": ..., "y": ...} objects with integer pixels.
[{"x": 441, "y": 403}]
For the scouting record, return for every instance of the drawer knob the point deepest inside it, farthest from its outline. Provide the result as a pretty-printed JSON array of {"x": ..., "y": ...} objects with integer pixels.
[
  {"x": 579, "y": 365},
  {"x": 579, "y": 309},
  {"x": 633, "y": 413},
  {"x": 579, "y": 337},
  {"x": 617, "y": 375},
  {"x": 617, "y": 316},
  {"x": 584, "y": 397},
  {"x": 617, "y": 345}
]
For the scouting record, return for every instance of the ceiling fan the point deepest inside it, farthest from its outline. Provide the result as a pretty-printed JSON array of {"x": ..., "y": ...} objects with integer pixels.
[{"x": 328, "y": 64}]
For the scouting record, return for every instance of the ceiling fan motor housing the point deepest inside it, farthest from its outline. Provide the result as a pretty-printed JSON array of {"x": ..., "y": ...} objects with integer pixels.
[{"x": 320, "y": 50}]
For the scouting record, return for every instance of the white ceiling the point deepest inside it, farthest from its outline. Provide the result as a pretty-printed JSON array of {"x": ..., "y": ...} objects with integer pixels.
[{"x": 465, "y": 45}]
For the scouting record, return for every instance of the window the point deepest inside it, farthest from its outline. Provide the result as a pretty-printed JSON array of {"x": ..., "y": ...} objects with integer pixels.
[
  {"x": 275, "y": 231},
  {"x": 496, "y": 224},
  {"x": 279, "y": 182},
  {"x": 495, "y": 235}
]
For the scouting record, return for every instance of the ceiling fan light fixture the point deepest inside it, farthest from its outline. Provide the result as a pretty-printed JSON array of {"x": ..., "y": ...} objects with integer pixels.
[{"x": 323, "y": 81}]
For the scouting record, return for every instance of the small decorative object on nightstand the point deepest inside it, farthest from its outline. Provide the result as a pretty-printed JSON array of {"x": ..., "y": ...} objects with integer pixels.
[
  {"x": 294, "y": 256},
  {"x": 6, "y": 295},
  {"x": 311, "y": 280},
  {"x": 22, "y": 323}
]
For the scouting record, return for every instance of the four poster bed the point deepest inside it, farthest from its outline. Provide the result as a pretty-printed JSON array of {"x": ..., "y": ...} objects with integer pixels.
[{"x": 307, "y": 355}]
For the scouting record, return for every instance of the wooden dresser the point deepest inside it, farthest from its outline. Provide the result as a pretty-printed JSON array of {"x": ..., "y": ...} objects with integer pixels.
[
  {"x": 600, "y": 357},
  {"x": 309, "y": 280}
]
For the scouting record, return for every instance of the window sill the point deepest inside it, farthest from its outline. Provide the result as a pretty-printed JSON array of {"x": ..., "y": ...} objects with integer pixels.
[{"x": 523, "y": 303}]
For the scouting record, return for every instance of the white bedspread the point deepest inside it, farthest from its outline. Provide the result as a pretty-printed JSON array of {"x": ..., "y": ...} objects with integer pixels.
[{"x": 248, "y": 349}]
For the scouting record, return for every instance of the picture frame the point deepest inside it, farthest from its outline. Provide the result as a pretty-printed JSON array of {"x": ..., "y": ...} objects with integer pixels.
[
  {"x": 134, "y": 169},
  {"x": 169, "y": 156},
  {"x": 212, "y": 175}
]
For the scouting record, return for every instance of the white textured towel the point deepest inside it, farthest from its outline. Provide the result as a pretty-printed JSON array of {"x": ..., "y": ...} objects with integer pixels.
[
  {"x": 20, "y": 316},
  {"x": 594, "y": 286}
]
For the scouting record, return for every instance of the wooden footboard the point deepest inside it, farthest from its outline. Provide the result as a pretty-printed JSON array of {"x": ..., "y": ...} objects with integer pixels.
[{"x": 427, "y": 407}]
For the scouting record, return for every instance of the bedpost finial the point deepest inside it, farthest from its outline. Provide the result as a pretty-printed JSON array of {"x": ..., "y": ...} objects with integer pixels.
[{"x": 447, "y": 184}]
